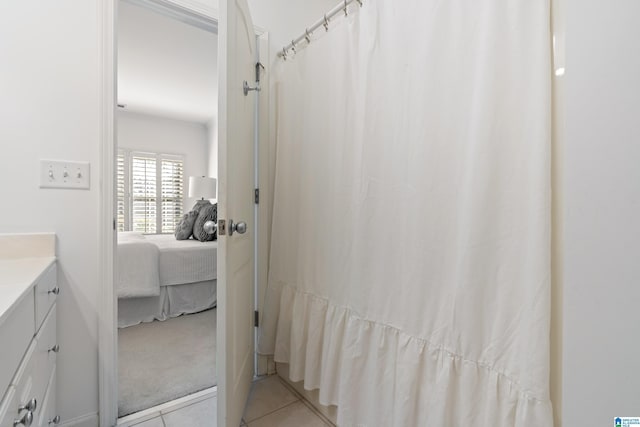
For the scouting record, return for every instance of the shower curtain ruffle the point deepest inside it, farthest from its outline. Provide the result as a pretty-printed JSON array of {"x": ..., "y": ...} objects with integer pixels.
[{"x": 378, "y": 375}]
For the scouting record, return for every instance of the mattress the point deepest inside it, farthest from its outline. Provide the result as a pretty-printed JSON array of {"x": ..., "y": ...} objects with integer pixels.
[{"x": 185, "y": 261}]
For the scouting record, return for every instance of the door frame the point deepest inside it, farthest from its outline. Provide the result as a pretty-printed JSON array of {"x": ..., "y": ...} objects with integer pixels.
[{"x": 107, "y": 306}]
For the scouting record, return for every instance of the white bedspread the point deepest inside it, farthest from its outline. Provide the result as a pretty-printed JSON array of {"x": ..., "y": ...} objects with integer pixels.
[
  {"x": 137, "y": 268},
  {"x": 185, "y": 261}
]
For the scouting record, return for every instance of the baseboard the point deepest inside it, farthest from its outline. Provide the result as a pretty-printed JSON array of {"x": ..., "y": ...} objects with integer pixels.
[
  {"x": 266, "y": 365},
  {"x": 89, "y": 420}
]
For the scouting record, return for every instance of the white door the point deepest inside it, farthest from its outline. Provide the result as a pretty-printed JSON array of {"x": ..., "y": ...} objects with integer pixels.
[{"x": 236, "y": 123}]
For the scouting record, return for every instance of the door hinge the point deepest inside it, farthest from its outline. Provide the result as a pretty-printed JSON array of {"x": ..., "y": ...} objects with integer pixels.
[
  {"x": 256, "y": 318},
  {"x": 258, "y": 67},
  {"x": 114, "y": 223},
  {"x": 256, "y": 196}
]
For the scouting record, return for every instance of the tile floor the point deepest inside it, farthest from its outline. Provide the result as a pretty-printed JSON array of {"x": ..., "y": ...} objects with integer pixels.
[{"x": 271, "y": 404}]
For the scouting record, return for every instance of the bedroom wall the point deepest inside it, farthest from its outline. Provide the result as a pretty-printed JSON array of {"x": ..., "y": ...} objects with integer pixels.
[
  {"x": 160, "y": 134},
  {"x": 166, "y": 67},
  {"x": 212, "y": 148}
]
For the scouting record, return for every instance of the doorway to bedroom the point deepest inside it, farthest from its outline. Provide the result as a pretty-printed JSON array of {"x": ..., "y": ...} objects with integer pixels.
[{"x": 166, "y": 275}]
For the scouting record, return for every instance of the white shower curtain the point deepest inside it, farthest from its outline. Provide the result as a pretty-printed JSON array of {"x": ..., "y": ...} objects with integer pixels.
[{"x": 409, "y": 270}]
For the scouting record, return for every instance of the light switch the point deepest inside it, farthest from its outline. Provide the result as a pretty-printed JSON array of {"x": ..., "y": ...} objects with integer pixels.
[{"x": 64, "y": 174}]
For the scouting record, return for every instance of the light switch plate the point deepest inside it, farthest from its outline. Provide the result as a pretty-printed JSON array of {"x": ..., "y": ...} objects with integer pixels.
[{"x": 64, "y": 174}]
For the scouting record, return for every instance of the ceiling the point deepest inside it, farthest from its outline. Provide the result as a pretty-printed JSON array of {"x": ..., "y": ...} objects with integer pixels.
[{"x": 166, "y": 67}]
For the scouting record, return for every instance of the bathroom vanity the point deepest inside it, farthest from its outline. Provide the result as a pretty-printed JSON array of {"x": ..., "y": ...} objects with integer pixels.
[{"x": 28, "y": 340}]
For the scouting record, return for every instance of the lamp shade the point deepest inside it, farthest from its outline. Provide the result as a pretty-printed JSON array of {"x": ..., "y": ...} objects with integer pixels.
[{"x": 202, "y": 187}]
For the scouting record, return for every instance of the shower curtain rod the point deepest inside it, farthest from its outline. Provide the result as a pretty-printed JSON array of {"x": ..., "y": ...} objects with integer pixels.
[{"x": 324, "y": 21}]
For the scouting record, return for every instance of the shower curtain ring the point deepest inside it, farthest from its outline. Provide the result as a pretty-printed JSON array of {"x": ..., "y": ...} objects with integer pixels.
[
  {"x": 326, "y": 23},
  {"x": 359, "y": 2},
  {"x": 346, "y": 11},
  {"x": 284, "y": 53},
  {"x": 307, "y": 36},
  {"x": 293, "y": 46}
]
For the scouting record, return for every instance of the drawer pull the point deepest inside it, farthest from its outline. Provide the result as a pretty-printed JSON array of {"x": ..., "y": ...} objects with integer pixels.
[
  {"x": 55, "y": 420},
  {"x": 29, "y": 406},
  {"x": 54, "y": 291},
  {"x": 55, "y": 349},
  {"x": 25, "y": 421}
]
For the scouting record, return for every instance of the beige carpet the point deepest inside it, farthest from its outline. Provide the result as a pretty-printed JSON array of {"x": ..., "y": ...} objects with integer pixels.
[{"x": 161, "y": 361}]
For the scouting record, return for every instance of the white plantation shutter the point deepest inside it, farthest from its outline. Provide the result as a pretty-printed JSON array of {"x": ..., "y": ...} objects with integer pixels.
[
  {"x": 122, "y": 211},
  {"x": 144, "y": 193},
  {"x": 171, "y": 193},
  {"x": 149, "y": 191}
]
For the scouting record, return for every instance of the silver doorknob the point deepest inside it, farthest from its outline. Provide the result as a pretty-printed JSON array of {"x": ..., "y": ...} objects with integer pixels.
[
  {"x": 54, "y": 291},
  {"x": 210, "y": 227},
  {"x": 54, "y": 420},
  {"x": 55, "y": 348},
  {"x": 29, "y": 406},
  {"x": 240, "y": 227},
  {"x": 26, "y": 421}
]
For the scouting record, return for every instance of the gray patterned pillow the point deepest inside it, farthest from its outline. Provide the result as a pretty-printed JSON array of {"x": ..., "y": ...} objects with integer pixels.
[
  {"x": 207, "y": 213},
  {"x": 184, "y": 229},
  {"x": 200, "y": 204}
]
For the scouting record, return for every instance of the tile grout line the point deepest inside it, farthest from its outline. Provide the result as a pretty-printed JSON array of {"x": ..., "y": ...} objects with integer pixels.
[
  {"x": 306, "y": 402},
  {"x": 317, "y": 413},
  {"x": 273, "y": 412}
]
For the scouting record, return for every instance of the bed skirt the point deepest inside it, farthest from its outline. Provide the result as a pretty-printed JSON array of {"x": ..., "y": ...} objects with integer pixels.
[{"x": 173, "y": 301}]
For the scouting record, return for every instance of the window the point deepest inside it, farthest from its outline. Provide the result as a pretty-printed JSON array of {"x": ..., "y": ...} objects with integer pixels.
[{"x": 150, "y": 191}]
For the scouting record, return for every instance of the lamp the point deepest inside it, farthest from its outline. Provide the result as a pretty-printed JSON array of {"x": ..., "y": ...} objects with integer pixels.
[{"x": 203, "y": 187}]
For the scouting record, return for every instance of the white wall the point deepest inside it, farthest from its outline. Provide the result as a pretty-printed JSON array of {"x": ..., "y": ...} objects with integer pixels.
[
  {"x": 166, "y": 67},
  {"x": 158, "y": 134},
  {"x": 212, "y": 148},
  {"x": 601, "y": 164},
  {"x": 50, "y": 85},
  {"x": 286, "y": 19}
]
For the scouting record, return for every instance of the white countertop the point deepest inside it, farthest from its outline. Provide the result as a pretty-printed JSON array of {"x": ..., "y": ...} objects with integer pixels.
[
  {"x": 17, "y": 277},
  {"x": 23, "y": 259}
]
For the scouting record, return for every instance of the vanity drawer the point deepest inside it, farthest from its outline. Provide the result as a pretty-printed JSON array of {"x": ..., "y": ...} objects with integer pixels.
[
  {"x": 25, "y": 384},
  {"x": 16, "y": 332},
  {"x": 48, "y": 414},
  {"x": 6, "y": 408},
  {"x": 45, "y": 354},
  {"x": 46, "y": 292},
  {"x": 34, "y": 372}
]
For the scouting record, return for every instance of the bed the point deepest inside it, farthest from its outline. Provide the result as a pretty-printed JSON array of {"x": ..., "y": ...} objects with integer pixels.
[{"x": 159, "y": 277}]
